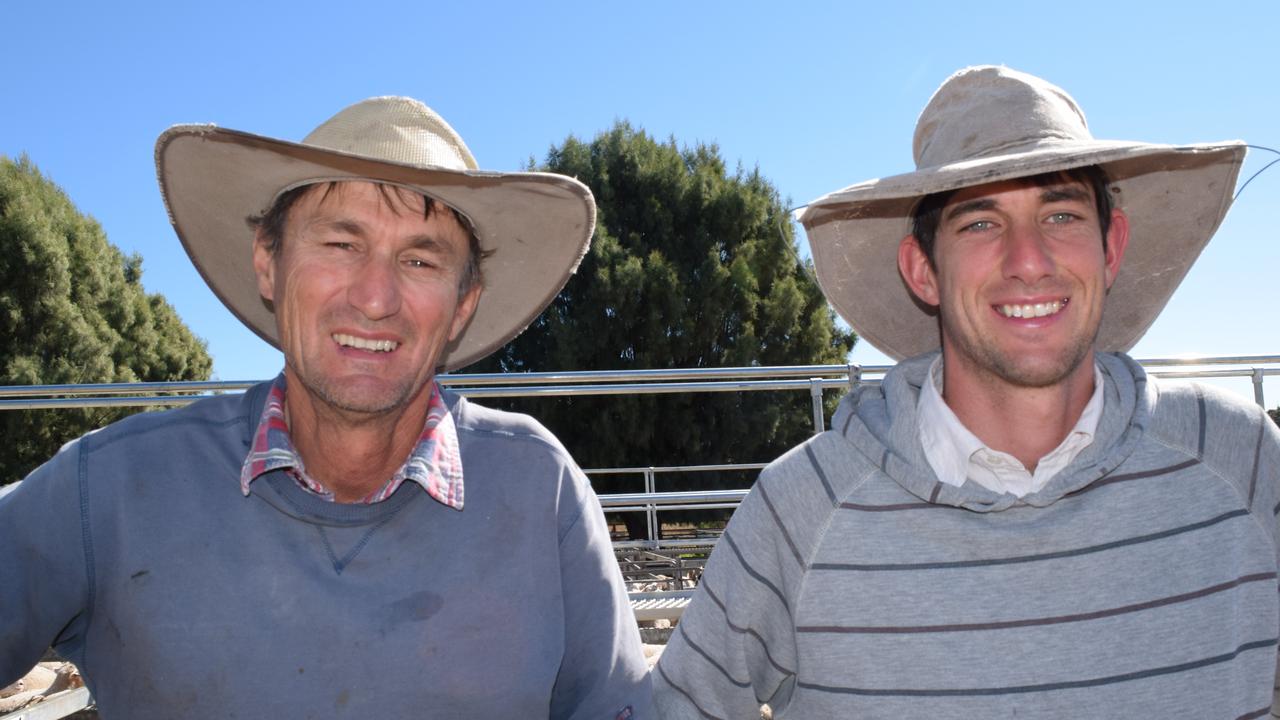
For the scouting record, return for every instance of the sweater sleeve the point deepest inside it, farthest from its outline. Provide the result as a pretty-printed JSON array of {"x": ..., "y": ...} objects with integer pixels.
[
  {"x": 1265, "y": 481},
  {"x": 45, "y": 578},
  {"x": 734, "y": 648},
  {"x": 603, "y": 672}
]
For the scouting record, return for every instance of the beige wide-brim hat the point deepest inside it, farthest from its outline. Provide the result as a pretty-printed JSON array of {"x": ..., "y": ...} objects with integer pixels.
[
  {"x": 986, "y": 124},
  {"x": 536, "y": 227}
]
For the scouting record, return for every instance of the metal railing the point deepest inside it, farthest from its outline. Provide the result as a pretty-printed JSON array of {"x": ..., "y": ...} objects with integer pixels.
[{"x": 815, "y": 379}]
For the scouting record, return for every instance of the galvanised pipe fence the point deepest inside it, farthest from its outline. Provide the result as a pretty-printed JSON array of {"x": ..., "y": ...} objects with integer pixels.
[{"x": 814, "y": 379}]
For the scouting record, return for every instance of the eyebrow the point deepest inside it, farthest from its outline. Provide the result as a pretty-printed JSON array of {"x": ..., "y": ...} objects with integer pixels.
[
  {"x": 350, "y": 227},
  {"x": 428, "y": 242},
  {"x": 419, "y": 242},
  {"x": 969, "y": 206},
  {"x": 1066, "y": 192},
  {"x": 1048, "y": 195}
]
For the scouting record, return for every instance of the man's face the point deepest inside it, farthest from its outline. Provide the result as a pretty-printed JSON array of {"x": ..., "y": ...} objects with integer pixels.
[
  {"x": 1020, "y": 280},
  {"x": 365, "y": 290}
]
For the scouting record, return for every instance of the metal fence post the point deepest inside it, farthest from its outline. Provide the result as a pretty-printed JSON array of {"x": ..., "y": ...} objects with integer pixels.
[
  {"x": 815, "y": 392},
  {"x": 651, "y": 510},
  {"x": 1257, "y": 388}
]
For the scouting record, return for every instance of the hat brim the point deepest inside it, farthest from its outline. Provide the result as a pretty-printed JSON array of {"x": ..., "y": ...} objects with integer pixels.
[
  {"x": 535, "y": 227},
  {"x": 1174, "y": 196}
]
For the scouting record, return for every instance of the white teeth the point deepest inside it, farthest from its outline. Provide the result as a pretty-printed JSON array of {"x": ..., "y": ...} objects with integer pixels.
[
  {"x": 1032, "y": 310},
  {"x": 362, "y": 344}
]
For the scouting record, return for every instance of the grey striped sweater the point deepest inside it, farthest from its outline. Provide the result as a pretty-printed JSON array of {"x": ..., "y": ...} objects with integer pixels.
[{"x": 1139, "y": 583}]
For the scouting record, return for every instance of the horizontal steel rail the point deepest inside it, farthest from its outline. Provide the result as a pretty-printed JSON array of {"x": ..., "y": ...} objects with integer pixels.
[
  {"x": 706, "y": 497},
  {"x": 613, "y": 382}
]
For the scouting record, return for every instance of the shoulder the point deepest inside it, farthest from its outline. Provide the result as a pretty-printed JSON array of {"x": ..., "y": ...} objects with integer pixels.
[
  {"x": 154, "y": 429},
  {"x": 155, "y": 440},
  {"x": 204, "y": 418},
  {"x": 819, "y": 472},
  {"x": 1193, "y": 416},
  {"x": 515, "y": 452},
  {"x": 797, "y": 495},
  {"x": 826, "y": 458},
  {"x": 1229, "y": 435},
  {"x": 479, "y": 424}
]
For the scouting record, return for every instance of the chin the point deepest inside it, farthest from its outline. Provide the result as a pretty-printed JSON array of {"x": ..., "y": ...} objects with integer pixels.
[
  {"x": 1047, "y": 372},
  {"x": 362, "y": 395}
]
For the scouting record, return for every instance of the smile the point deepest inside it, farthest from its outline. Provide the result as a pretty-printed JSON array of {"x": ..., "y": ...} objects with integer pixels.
[
  {"x": 363, "y": 344},
  {"x": 1032, "y": 310}
]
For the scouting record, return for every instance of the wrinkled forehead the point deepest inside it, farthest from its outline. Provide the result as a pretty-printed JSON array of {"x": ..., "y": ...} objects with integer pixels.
[
  {"x": 330, "y": 194},
  {"x": 399, "y": 200}
]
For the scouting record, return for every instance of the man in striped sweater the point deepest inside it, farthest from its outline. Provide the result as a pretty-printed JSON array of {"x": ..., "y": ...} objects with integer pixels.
[{"x": 1017, "y": 522}]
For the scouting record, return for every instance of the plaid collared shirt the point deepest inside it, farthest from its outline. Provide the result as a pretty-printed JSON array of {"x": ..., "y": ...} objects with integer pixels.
[{"x": 434, "y": 462}]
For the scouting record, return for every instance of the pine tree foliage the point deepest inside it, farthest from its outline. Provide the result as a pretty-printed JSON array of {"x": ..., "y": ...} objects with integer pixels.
[
  {"x": 73, "y": 310},
  {"x": 691, "y": 266}
]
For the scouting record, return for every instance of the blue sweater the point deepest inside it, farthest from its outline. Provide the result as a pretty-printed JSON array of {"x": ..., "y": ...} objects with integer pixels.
[{"x": 134, "y": 553}]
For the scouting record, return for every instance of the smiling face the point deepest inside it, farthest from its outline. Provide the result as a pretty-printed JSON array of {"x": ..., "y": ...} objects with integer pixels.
[
  {"x": 366, "y": 288},
  {"x": 1020, "y": 280}
]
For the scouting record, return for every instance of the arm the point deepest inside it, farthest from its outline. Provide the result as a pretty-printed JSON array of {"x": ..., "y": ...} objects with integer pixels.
[
  {"x": 44, "y": 578},
  {"x": 734, "y": 648},
  {"x": 603, "y": 673}
]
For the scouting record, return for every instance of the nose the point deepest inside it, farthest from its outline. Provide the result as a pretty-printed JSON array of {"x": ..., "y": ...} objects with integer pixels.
[
  {"x": 1027, "y": 255},
  {"x": 375, "y": 289}
]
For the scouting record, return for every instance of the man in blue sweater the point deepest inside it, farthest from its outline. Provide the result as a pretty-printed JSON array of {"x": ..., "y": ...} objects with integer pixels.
[
  {"x": 1017, "y": 522},
  {"x": 347, "y": 540}
]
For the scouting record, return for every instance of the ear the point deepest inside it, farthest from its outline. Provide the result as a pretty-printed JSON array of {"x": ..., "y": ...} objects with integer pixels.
[
  {"x": 264, "y": 266},
  {"x": 465, "y": 309},
  {"x": 1117, "y": 243},
  {"x": 917, "y": 271}
]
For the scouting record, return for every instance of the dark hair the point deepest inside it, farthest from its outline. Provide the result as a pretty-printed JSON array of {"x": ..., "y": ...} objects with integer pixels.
[
  {"x": 271, "y": 224},
  {"x": 928, "y": 212}
]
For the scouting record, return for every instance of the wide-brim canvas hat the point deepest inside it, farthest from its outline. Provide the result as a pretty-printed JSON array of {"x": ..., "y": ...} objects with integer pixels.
[
  {"x": 534, "y": 227},
  {"x": 987, "y": 124}
]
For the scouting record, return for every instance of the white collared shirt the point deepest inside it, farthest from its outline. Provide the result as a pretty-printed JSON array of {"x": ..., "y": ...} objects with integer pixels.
[{"x": 955, "y": 454}]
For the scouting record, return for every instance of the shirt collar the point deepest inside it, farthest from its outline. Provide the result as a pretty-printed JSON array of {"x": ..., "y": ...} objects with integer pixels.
[
  {"x": 956, "y": 454},
  {"x": 434, "y": 463}
]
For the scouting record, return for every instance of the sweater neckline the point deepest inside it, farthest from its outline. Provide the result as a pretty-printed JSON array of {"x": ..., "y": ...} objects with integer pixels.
[
  {"x": 880, "y": 421},
  {"x": 280, "y": 491}
]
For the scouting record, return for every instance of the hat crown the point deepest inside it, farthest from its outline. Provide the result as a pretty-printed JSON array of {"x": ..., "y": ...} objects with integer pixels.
[
  {"x": 395, "y": 129},
  {"x": 989, "y": 110}
]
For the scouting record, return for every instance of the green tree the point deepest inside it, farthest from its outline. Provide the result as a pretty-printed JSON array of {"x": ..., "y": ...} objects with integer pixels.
[
  {"x": 1275, "y": 415},
  {"x": 691, "y": 266},
  {"x": 73, "y": 310}
]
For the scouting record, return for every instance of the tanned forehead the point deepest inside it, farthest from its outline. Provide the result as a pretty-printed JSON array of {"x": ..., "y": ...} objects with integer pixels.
[
  {"x": 395, "y": 199},
  {"x": 425, "y": 241},
  {"x": 398, "y": 200},
  {"x": 1066, "y": 190}
]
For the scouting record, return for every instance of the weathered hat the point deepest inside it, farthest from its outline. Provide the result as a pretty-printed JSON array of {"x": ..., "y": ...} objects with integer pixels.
[
  {"x": 535, "y": 227},
  {"x": 986, "y": 124}
]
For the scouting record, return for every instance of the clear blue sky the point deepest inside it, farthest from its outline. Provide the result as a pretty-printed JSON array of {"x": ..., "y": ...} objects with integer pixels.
[{"x": 816, "y": 95}]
